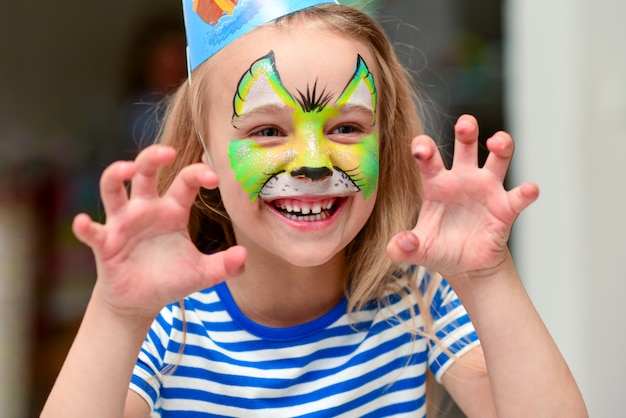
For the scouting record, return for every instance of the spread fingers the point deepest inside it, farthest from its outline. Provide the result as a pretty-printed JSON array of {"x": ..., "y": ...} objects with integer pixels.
[
  {"x": 112, "y": 185},
  {"x": 185, "y": 186},
  {"x": 500, "y": 148},
  {"x": 465, "y": 142},
  {"x": 144, "y": 183}
]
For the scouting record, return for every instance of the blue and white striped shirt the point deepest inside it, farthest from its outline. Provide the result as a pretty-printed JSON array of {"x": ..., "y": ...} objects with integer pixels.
[{"x": 364, "y": 364}]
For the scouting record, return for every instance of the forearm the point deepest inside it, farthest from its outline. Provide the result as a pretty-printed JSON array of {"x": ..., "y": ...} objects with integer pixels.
[
  {"x": 528, "y": 374},
  {"x": 94, "y": 379}
]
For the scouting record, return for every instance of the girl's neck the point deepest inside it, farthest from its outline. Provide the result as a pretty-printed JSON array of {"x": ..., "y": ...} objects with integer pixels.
[{"x": 277, "y": 294}]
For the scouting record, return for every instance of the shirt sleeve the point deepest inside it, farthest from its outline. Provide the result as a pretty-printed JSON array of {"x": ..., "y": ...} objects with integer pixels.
[
  {"x": 454, "y": 332},
  {"x": 146, "y": 378}
]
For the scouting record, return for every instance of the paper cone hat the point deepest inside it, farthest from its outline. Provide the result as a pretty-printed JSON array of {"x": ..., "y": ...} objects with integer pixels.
[{"x": 212, "y": 24}]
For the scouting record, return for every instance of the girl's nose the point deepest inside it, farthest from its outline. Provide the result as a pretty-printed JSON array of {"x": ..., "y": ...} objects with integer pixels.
[{"x": 312, "y": 173}]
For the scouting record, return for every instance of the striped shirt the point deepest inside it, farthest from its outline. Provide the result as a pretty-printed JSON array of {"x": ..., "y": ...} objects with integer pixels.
[{"x": 365, "y": 364}]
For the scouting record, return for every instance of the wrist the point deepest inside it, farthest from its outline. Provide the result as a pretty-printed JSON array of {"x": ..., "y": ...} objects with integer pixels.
[
  {"x": 503, "y": 273},
  {"x": 133, "y": 320},
  {"x": 106, "y": 347}
]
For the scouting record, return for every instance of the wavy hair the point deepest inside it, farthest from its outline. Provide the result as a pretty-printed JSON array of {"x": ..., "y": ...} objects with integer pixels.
[
  {"x": 372, "y": 274},
  {"x": 399, "y": 187}
]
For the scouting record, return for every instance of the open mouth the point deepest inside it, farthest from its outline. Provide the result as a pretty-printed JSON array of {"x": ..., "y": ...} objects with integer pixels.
[{"x": 306, "y": 211}]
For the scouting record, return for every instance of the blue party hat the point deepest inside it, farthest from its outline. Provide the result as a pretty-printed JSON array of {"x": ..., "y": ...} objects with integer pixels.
[{"x": 212, "y": 24}]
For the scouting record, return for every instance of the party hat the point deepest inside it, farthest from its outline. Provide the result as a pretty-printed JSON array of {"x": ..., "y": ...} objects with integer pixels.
[{"x": 212, "y": 24}]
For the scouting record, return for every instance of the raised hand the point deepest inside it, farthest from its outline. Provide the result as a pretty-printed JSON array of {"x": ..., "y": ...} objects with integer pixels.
[
  {"x": 466, "y": 217},
  {"x": 144, "y": 256}
]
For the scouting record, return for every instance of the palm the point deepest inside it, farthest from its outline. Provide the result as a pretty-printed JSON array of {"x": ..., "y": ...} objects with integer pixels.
[
  {"x": 148, "y": 253},
  {"x": 144, "y": 256},
  {"x": 466, "y": 216},
  {"x": 464, "y": 221}
]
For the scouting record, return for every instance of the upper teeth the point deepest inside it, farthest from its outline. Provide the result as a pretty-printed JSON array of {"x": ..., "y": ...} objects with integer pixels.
[{"x": 304, "y": 207}]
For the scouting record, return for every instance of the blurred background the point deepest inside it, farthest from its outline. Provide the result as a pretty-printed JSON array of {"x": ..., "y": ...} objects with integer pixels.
[{"x": 78, "y": 89}]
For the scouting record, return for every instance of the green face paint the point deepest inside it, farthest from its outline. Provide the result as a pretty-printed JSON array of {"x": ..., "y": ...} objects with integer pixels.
[{"x": 354, "y": 165}]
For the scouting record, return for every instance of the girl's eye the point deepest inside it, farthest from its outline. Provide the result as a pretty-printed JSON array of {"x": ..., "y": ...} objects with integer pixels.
[
  {"x": 345, "y": 130},
  {"x": 268, "y": 131}
]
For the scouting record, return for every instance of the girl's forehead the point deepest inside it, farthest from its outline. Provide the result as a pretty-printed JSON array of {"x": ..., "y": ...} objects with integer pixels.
[{"x": 303, "y": 56}]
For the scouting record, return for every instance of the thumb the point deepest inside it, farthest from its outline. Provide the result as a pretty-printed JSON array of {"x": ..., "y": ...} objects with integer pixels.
[
  {"x": 403, "y": 247},
  {"x": 234, "y": 260},
  {"x": 223, "y": 265}
]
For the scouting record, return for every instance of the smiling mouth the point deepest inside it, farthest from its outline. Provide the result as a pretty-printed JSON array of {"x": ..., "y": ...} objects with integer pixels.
[{"x": 306, "y": 211}]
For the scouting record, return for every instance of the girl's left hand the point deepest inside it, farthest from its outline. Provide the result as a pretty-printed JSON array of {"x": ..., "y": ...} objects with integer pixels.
[{"x": 466, "y": 216}]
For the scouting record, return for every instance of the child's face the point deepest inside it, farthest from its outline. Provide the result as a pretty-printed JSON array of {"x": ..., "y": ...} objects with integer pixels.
[{"x": 293, "y": 137}]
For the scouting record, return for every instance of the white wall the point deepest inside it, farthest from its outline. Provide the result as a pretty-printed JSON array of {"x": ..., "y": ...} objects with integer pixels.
[{"x": 566, "y": 104}]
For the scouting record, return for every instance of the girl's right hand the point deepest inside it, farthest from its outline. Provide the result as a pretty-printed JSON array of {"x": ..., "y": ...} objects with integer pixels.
[{"x": 144, "y": 256}]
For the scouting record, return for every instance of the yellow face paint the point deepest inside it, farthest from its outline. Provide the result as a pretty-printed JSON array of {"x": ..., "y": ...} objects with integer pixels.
[{"x": 270, "y": 171}]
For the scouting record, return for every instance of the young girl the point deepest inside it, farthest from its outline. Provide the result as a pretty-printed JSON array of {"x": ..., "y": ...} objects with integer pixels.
[{"x": 274, "y": 234}]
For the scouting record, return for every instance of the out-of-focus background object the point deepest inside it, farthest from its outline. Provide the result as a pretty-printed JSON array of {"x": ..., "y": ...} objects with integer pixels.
[
  {"x": 80, "y": 87},
  {"x": 16, "y": 255}
]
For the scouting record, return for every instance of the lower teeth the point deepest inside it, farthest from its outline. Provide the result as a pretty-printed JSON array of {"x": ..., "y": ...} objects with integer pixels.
[{"x": 307, "y": 218}]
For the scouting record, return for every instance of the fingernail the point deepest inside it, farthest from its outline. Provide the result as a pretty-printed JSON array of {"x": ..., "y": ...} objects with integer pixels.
[
  {"x": 419, "y": 152},
  {"x": 464, "y": 125},
  {"x": 497, "y": 139},
  {"x": 408, "y": 242},
  {"x": 241, "y": 269}
]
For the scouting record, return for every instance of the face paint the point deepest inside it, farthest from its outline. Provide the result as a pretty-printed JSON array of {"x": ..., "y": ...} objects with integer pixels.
[{"x": 274, "y": 171}]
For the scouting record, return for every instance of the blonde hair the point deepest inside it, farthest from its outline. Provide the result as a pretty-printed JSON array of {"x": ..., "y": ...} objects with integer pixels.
[
  {"x": 372, "y": 274},
  {"x": 399, "y": 186}
]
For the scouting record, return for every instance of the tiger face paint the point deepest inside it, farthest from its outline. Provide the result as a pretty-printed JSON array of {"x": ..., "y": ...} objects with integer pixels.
[{"x": 308, "y": 143}]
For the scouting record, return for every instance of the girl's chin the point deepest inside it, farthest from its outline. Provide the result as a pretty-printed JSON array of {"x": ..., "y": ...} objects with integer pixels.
[{"x": 307, "y": 255}]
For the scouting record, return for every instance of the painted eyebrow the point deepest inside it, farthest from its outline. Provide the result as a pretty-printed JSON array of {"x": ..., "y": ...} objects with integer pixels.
[
  {"x": 285, "y": 109},
  {"x": 350, "y": 107},
  {"x": 357, "y": 109},
  {"x": 282, "y": 109},
  {"x": 267, "y": 109}
]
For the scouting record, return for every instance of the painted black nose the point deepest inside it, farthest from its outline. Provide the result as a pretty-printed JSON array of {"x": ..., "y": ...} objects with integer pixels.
[{"x": 312, "y": 173}]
